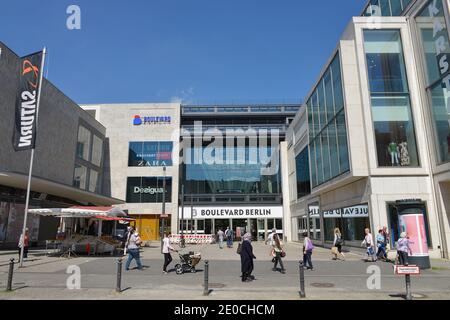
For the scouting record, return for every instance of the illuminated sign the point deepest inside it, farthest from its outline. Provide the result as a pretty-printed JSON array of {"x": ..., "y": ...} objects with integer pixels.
[{"x": 151, "y": 120}]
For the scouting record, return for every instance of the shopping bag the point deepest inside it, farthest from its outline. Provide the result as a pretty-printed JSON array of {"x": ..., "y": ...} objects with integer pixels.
[{"x": 334, "y": 250}]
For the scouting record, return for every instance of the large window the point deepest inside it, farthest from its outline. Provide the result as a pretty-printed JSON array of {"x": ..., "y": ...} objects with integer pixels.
[
  {"x": 148, "y": 189},
  {"x": 97, "y": 150},
  {"x": 391, "y": 110},
  {"x": 303, "y": 177},
  {"x": 327, "y": 130},
  {"x": 386, "y": 8},
  {"x": 84, "y": 143},
  {"x": 434, "y": 37},
  {"x": 150, "y": 154},
  {"x": 232, "y": 170},
  {"x": 80, "y": 177}
]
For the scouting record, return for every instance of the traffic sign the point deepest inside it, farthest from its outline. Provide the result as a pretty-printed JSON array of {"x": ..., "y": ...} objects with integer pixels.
[{"x": 407, "y": 270}]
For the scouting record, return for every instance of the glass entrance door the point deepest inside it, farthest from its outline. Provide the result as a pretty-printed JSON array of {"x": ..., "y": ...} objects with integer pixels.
[
  {"x": 221, "y": 224},
  {"x": 239, "y": 227}
]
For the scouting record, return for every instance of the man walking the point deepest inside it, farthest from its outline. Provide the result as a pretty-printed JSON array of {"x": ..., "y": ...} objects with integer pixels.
[
  {"x": 24, "y": 242},
  {"x": 166, "y": 251},
  {"x": 229, "y": 237},
  {"x": 220, "y": 236}
]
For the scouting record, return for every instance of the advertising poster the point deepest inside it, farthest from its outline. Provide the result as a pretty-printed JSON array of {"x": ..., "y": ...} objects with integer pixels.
[
  {"x": 414, "y": 226},
  {"x": 4, "y": 216}
]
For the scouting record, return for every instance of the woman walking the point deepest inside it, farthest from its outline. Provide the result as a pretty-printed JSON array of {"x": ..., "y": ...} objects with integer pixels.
[
  {"x": 368, "y": 242},
  {"x": 337, "y": 245},
  {"x": 247, "y": 257},
  {"x": 403, "y": 249},
  {"x": 278, "y": 250},
  {"x": 24, "y": 242},
  {"x": 308, "y": 248}
]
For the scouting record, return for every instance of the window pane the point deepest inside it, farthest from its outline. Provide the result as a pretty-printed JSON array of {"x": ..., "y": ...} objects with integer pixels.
[
  {"x": 440, "y": 100},
  {"x": 322, "y": 110},
  {"x": 325, "y": 155},
  {"x": 396, "y": 6},
  {"x": 302, "y": 171},
  {"x": 319, "y": 161},
  {"x": 315, "y": 107},
  {"x": 385, "y": 8},
  {"x": 84, "y": 143},
  {"x": 94, "y": 181},
  {"x": 391, "y": 110},
  {"x": 313, "y": 164},
  {"x": 342, "y": 143},
  {"x": 337, "y": 84},
  {"x": 97, "y": 151},
  {"x": 80, "y": 176},
  {"x": 329, "y": 96},
  {"x": 333, "y": 149},
  {"x": 135, "y": 154}
]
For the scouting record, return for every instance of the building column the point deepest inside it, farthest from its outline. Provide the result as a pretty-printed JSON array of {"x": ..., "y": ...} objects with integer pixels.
[{"x": 284, "y": 164}]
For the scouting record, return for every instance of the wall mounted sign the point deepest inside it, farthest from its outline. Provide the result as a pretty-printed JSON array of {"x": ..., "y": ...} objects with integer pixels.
[
  {"x": 231, "y": 212},
  {"x": 151, "y": 120}
]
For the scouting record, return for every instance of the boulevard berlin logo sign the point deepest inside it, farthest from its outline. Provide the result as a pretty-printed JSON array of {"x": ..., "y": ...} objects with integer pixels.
[
  {"x": 138, "y": 120},
  {"x": 27, "y": 102}
]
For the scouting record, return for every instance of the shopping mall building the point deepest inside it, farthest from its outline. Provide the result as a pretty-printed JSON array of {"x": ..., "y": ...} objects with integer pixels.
[
  {"x": 372, "y": 146},
  {"x": 217, "y": 166}
]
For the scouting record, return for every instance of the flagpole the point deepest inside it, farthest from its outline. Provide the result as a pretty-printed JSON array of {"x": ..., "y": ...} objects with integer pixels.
[{"x": 27, "y": 202}]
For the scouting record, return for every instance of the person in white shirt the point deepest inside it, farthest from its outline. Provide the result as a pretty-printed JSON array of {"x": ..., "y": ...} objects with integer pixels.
[
  {"x": 220, "y": 237},
  {"x": 368, "y": 242},
  {"x": 133, "y": 244},
  {"x": 166, "y": 251}
]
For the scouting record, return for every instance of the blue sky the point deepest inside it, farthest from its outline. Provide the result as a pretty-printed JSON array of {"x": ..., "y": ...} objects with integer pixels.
[{"x": 198, "y": 51}]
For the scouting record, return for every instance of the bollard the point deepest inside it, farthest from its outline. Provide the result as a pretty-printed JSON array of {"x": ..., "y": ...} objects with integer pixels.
[
  {"x": 206, "y": 282},
  {"x": 10, "y": 275},
  {"x": 408, "y": 287},
  {"x": 119, "y": 276},
  {"x": 302, "y": 280}
]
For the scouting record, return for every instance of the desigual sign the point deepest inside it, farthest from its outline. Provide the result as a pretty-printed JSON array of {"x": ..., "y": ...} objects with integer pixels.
[
  {"x": 139, "y": 120},
  {"x": 148, "y": 190},
  {"x": 231, "y": 212}
]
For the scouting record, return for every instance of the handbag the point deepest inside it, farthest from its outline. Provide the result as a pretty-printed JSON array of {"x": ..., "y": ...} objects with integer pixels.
[
  {"x": 239, "y": 248},
  {"x": 283, "y": 254},
  {"x": 339, "y": 241},
  {"x": 334, "y": 250}
]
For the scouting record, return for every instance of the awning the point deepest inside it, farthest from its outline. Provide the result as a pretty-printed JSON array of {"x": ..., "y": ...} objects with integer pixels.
[
  {"x": 114, "y": 218},
  {"x": 81, "y": 212},
  {"x": 20, "y": 181}
]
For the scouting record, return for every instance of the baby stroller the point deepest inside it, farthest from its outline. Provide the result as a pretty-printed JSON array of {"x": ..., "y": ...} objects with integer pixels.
[{"x": 188, "y": 262}]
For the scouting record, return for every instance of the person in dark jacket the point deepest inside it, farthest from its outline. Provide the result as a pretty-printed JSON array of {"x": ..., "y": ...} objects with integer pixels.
[{"x": 247, "y": 257}]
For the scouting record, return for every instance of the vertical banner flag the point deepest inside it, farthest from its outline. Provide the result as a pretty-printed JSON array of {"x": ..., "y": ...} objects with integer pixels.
[{"x": 26, "y": 101}]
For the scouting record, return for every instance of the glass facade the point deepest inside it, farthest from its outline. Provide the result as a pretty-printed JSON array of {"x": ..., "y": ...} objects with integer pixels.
[
  {"x": 235, "y": 170},
  {"x": 434, "y": 40},
  {"x": 148, "y": 189},
  {"x": 386, "y": 8},
  {"x": 88, "y": 161},
  {"x": 150, "y": 154},
  {"x": 328, "y": 145},
  {"x": 391, "y": 110},
  {"x": 302, "y": 171}
]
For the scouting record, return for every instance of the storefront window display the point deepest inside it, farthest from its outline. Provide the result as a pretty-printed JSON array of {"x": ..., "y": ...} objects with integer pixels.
[
  {"x": 351, "y": 221},
  {"x": 314, "y": 221},
  {"x": 391, "y": 108}
]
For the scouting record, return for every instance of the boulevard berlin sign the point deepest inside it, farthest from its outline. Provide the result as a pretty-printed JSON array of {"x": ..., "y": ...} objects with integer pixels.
[{"x": 231, "y": 212}]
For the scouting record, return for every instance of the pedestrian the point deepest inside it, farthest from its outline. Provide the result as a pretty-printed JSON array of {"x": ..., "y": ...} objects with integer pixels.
[
  {"x": 381, "y": 246},
  {"x": 220, "y": 237},
  {"x": 279, "y": 253},
  {"x": 403, "y": 249},
  {"x": 24, "y": 242},
  {"x": 368, "y": 243},
  {"x": 337, "y": 244},
  {"x": 133, "y": 244},
  {"x": 166, "y": 251},
  {"x": 229, "y": 237},
  {"x": 308, "y": 248},
  {"x": 247, "y": 257},
  {"x": 271, "y": 243}
]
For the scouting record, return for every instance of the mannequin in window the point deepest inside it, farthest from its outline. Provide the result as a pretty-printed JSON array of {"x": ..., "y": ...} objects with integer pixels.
[
  {"x": 394, "y": 152},
  {"x": 405, "y": 159}
]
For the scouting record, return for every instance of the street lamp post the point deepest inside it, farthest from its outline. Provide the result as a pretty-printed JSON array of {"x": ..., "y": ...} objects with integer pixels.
[
  {"x": 182, "y": 217},
  {"x": 163, "y": 211}
]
